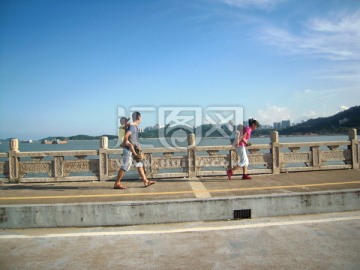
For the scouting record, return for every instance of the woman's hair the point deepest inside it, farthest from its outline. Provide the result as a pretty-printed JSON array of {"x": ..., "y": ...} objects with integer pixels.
[{"x": 253, "y": 121}]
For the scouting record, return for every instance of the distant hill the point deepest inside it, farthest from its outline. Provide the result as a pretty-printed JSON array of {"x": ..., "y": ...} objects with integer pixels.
[
  {"x": 87, "y": 137},
  {"x": 336, "y": 124},
  {"x": 79, "y": 137}
]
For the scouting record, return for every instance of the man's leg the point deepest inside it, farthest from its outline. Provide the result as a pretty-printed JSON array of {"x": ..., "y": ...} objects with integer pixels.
[
  {"x": 119, "y": 177},
  {"x": 146, "y": 181},
  {"x": 127, "y": 160}
]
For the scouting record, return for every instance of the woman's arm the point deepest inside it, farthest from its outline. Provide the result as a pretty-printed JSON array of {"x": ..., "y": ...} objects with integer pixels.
[{"x": 243, "y": 137}]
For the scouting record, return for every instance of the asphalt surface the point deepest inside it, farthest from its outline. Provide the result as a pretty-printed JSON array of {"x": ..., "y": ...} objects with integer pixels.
[{"x": 164, "y": 189}]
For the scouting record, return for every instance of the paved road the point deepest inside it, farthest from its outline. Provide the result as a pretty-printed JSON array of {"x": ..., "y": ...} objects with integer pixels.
[
  {"x": 165, "y": 189},
  {"x": 324, "y": 241}
]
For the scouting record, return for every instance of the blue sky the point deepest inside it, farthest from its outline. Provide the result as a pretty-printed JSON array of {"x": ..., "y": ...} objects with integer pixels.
[{"x": 67, "y": 66}]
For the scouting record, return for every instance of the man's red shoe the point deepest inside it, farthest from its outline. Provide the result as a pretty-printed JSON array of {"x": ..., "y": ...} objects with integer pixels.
[
  {"x": 229, "y": 174},
  {"x": 246, "y": 177}
]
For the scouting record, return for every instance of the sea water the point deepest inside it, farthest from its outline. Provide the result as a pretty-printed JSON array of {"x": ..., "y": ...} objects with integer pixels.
[{"x": 154, "y": 142}]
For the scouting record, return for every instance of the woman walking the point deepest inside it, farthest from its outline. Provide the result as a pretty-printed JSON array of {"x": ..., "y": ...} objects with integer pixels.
[{"x": 240, "y": 143}]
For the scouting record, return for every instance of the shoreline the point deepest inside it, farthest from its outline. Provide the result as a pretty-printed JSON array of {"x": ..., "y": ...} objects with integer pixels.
[
  {"x": 155, "y": 138},
  {"x": 114, "y": 137}
]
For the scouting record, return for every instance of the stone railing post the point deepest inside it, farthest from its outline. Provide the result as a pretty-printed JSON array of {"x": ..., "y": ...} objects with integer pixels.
[
  {"x": 14, "y": 161},
  {"x": 275, "y": 151},
  {"x": 354, "y": 148},
  {"x": 316, "y": 160},
  {"x": 192, "y": 169},
  {"x": 58, "y": 170},
  {"x": 104, "y": 159},
  {"x": 191, "y": 139}
]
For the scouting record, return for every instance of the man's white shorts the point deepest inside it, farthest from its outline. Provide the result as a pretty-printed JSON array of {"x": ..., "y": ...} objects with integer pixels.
[
  {"x": 128, "y": 160},
  {"x": 244, "y": 160}
]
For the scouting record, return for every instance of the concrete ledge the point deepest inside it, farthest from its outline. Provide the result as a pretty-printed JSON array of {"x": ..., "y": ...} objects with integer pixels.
[{"x": 168, "y": 211}]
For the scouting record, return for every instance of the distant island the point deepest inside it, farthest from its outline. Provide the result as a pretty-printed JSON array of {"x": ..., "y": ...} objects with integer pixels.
[
  {"x": 339, "y": 123},
  {"x": 80, "y": 138}
]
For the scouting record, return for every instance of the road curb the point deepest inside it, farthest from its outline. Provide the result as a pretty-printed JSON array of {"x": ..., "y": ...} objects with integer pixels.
[{"x": 180, "y": 210}]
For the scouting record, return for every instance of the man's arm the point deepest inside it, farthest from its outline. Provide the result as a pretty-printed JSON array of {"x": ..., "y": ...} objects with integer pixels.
[{"x": 127, "y": 143}]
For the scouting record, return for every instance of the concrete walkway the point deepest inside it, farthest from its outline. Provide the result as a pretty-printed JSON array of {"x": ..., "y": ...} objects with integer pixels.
[
  {"x": 324, "y": 241},
  {"x": 27, "y": 205}
]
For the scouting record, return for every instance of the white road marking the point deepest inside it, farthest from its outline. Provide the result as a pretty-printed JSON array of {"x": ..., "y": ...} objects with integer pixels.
[{"x": 199, "y": 189}]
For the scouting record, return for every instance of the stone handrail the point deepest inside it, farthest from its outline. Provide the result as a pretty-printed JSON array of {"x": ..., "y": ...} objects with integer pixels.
[{"x": 188, "y": 162}]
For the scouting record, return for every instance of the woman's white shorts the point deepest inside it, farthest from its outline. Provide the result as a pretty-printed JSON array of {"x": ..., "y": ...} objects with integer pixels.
[{"x": 243, "y": 158}]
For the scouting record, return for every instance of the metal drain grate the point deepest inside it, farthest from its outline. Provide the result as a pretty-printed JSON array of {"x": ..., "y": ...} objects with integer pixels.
[{"x": 244, "y": 213}]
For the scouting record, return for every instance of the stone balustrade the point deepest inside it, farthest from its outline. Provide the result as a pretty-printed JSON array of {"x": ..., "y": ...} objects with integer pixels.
[{"x": 188, "y": 162}]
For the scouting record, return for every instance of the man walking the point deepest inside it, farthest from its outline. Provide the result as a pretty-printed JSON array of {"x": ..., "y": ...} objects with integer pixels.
[{"x": 131, "y": 142}]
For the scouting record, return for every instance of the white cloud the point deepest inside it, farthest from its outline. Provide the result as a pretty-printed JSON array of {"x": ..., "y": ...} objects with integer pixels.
[
  {"x": 333, "y": 38},
  {"x": 260, "y": 4},
  {"x": 309, "y": 115},
  {"x": 273, "y": 113},
  {"x": 309, "y": 95},
  {"x": 348, "y": 72},
  {"x": 329, "y": 112},
  {"x": 312, "y": 115}
]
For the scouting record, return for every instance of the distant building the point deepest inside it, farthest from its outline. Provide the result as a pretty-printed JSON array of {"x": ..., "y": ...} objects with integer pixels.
[
  {"x": 148, "y": 129},
  {"x": 277, "y": 125},
  {"x": 285, "y": 124},
  {"x": 155, "y": 127},
  {"x": 265, "y": 127}
]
